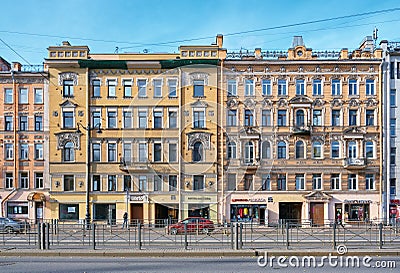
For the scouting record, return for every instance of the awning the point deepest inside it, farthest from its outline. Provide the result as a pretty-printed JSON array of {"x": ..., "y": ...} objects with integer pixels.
[{"x": 36, "y": 196}]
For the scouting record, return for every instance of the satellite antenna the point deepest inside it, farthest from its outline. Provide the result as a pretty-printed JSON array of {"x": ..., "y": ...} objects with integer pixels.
[{"x": 116, "y": 50}]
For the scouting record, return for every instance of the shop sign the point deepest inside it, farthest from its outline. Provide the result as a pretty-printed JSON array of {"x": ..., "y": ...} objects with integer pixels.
[
  {"x": 249, "y": 200},
  {"x": 395, "y": 201},
  {"x": 139, "y": 198},
  {"x": 199, "y": 198},
  {"x": 358, "y": 201},
  {"x": 270, "y": 199}
]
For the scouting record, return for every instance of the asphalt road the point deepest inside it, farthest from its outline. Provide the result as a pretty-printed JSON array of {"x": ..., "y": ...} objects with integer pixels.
[{"x": 178, "y": 264}]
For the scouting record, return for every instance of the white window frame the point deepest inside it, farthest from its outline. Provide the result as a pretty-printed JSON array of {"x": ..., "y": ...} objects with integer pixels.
[
  {"x": 130, "y": 114},
  {"x": 68, "y": 109},
  {"x": 317, "y": 182},
  {"x": 231, "y": 87},
  {"x": 35, "y": 90},
  {"x": 146, "y": 155},
  {"x": 319, "y": 85},
  {"x": 158, "y": 110},
  {"x": 367, "y": 182},
  {"x": 176, "y": 152},
  {"x": 40, "y": 157},
  {"x": 348, "y": 183},
  {"x": 20, "y": 95},
  {"x": 303, "y": 182},
  {"x": 284, "y": 87},
  {"x": 115, "y": 81},
  {"x": 169, "y": 88},
  {"x": 155, "y": 87},
  {"x": 124, "y": 151},
  {"x": 370, "y": 86},
  {"x": 127, "y": 82},
  {"x": 108, "y": 151},
  {"x": 92, "y": 153},
  {"x": 173, "y": 110},
  {"x": 141, "y": 110},
  {"x": 336, "y": 87},
  {"x": 266, "y": 86},
  {"x": 116, "y": 117},
  {"x": 8, "y": 90},
  {"x": 301, "y": 87},
  {"x": 249, "y": 87},
  {"x": 352, "y": 86},
  {"x": 339, "y": 181},
  {"x": 145, "y": 87},
  {"x": 154, "y": 151},
  {"x": 9, "y": 151},
  {"x": 204, "y": 117}
]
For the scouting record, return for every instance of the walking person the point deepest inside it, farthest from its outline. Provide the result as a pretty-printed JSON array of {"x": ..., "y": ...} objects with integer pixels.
[{"x": 125, "y": 223}]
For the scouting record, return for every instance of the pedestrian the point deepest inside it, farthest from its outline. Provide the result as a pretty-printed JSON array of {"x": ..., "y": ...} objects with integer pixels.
[{"x": 125, "y": 223}]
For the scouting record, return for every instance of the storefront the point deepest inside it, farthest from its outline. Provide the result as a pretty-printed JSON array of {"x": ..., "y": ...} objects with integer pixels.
[
  {"x": 394, "y": 211},
  {"x": 357, "y": 210},
  {"x": 247, "y": 210},
  {"x": 199, "y": 206}
]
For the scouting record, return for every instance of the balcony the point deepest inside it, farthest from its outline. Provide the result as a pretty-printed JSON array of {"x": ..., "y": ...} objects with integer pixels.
[
  {"x": 249, "y": 164},
  {"x": 129, "y": 166},
  {"x": 301, "y": 130},
  {"x": 355, "y": 163}
]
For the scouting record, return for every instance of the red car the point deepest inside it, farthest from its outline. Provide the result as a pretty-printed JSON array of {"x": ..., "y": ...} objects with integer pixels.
[{"x": 194, "y": 224}]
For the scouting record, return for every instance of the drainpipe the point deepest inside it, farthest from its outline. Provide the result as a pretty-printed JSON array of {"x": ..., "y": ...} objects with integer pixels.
[
  {"x": 179, "y": 177},
  {"x": 4, "y": 200}
]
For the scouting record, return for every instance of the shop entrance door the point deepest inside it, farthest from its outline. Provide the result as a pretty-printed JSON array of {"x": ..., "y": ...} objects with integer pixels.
[
  {"x": 317, "y": 214},
  {"x": 39, "y": 211},
  {"x": 290, "y": 211},
  {"x": 136, "y": 213},
  {"x": 262, "y": 216}
]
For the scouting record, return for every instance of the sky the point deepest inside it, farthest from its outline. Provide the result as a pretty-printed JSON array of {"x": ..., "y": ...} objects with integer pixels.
[{"x": 28, "y": 28}]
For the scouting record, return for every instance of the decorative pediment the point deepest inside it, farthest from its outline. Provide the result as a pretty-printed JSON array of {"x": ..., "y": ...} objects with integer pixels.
[
  {"x": 318, "y": 103},
  {"x": 370, "y": 102},
  {"x": 353, "y": 130},
  {"x": 267, "y": 103},
  {"x": 68, "y": 104},
  {"x": 318, "y": 138},
  {"x": 282, "y": 103},
  {"x": 194, "y": 76},
  {"x": 301, "y": 99},
  {"x": 63, "y": 138},
  {"x": 317, "y": 196},
  {"x": 337, "y": 103},
  {"x": 199, "y": 104},
  {"x": 282, "y": 138},
  {"x": 204, "y": 138},
  {"x": 232, "y": 103},
  {"x": 249, "y": 131},
  {"x": 336, "y": 137},
  {"x": 67, "y": 76},
  {"x": 249, "y": 103},
  {"x": 354, "y": 103}
]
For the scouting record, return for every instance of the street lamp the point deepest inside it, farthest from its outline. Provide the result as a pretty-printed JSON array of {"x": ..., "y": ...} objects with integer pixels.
[{"x": 88, "y": 129}]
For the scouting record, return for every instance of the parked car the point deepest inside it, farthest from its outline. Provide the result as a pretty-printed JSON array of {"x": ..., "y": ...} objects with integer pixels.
[
  {"x": 194, "y": 224},
  {"x": 9, "y": 225}
]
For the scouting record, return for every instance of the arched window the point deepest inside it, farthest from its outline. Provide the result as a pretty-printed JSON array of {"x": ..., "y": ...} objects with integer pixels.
[
  {"x": 300, "y": 149},
  {"x": 197, "y": 152},
  {"x": 231, "y": 150},
  {"x": 352, "y": 149},
  {"x": 281, "y": 150},
  {"x": 266, "y": 150},
  {"x": 300, "y": 118},
  {"x": 335, "y": 149},
  {"x": 369, "y": 149},
  {"x": 249, "y": 152},
  {"x": 317, "y": 149},
  {"x": 69, "y": 152}
]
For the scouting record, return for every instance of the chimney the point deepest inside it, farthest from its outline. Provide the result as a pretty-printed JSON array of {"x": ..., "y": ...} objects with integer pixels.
[
  {"x": 66, "y": 43},
  {"x": 16, "y": 66},
  {"x": 297, "y": 41},
  {"x": 257, "y": 53},
  {"x": 220, "y": 39}
]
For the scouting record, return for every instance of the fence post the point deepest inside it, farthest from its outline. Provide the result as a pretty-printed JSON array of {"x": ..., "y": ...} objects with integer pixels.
[
  {"x": 334, "y": 235},
  {"x": 380, "y": 235},
  {"x": 186, "y": 239},
  {"x": 39, "y": 235},
  {"x": 236, "y": 236},
  {"x": 94, "y": 235},
  {"x": 232, "y": 235},
  {"x": 139, "y": 235},
  {"x": 48, "y": 235},
  {"x": 43, "y": 231},
  {"x": 241, "y": 236},
  {"x": 287, "y": 235}
]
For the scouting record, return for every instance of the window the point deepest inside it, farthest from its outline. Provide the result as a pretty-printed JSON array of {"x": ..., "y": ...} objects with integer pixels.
[
  {"x": 317, "y": 118},
  {"x": 96, "y": 116},
  {"x": 353, "y": 117},
  {"x": 231, "y": 153},
  {"x": 231, "y": 182},
  {"x": 281, "y": 182},
  {"x": 142, "y": 119},
  {"x": 142, "y": 88},
  {"x": 281, "y": 150},
  {"x": 172, "y": 182},
  {"x": 197, "y": 154},
  {"x": 369, "y": 149},
  {"x": 335, "y": 181},
  {"x": 198, "y": 119},
  {"x": 317, "y": 149},
  {"x": 352, "y": 149},
  {"x": 9, "y": 151},
  {"x": 300, "y": 182},
  {"x": 232, "y": 88},
  {"x": 173, "y": 119},
  {"x": 335, "y": 85},
  {"x": 335, "y": 149},
  {"x": 369, "y": 181},
  {"x": 112, "y": 183},
  {"x": 317, "y": 88},
  {"x": 127, "y": 84},
  {"x": 266, "y": 183},
  {"x": 247, "y": 182},
  {"x": 38, "y": 98},
  {"x": 112, "y": 152},
  {"x": 198, "y": 182},
  {"x": 172, "y": 84},
  {"x": 127, "y": 182},
  {"x": 370, "y": 87},
  {"x": 8, "y": 96},
  {"x": 370, "y": 118},
  {"x": 111, "y": 84},
  {"x": 112, "y": 119},
  {"x": 23, "y": 151},
  {"x": 300, "y": 88},
  {"x": 39, "y": 151},
  {"x": 142, "y": 183},
  {"x": 393, "y": 155},
  {"x": 392, "y": 127},
  {"x": 231, "y": 117},
  {"x": 281, "y": 117},
  {"x": 8, "y": 123},
  {"x": 38, "y": 123},
  {"x": 142, "y": 152},
  {"x": 127, "y": 119},
  {"x": 300, "y": 118},
  {"x": 69, "y": 152},
  {"x": 39, "y": 181},
  {"x": 266, "y": 87},
  {"x": 248, "y": 153},
  {"x": 23, "y": 95},
  {"x": 172, "y": 152},
  {"x": 393, "y": 186},
  {"x": 24, "y": 180},
  {"x": 317, "y": 182},
  {"x": 282, "y": 87},
  {"x": 266, "y": 118},
  {"x": 299, "y": 150},
  {"x": 249, "y": 87},
  {"x": 68, "y": 119},
  {"x": 248, "y": 118},
  {"x": 157, "y": 152},
  {"x": 96, "y": 157},
  {"x": 127, "y": 152},
  {"x": 68, "y": 183},
  {"x": 69, "y": 211},
  {"x": 157, "y": 86},
  {"x": 392, "y": 70},
  {"x": 68, "y": 88},
  {"x": 393, "y": 97},
  {"x": 266, "y": 150},
  {"x": 9, "y": 181},
  {"x": 353, "y": 88},
  {"x": 198, "y": 88},
  {"x": 96, "y": 88},
  {"x": 157, "y": 183},
  {"x": 352, "y": 181},
  {"x": 157, "y": 119},
  {"x": 96, "y": 183},
  {"x": 336, "y": 118},
  {"x": 23, "y": 123}
]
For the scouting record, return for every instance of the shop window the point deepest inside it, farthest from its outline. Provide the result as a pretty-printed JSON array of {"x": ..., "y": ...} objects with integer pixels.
[
  {"x": 357, "y": 212},
  {"x": 69, "y": 211},
  {"x": 245, "y": 213}
]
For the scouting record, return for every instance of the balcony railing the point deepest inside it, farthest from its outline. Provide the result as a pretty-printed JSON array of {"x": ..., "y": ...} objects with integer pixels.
[
  {"x": 130, "y": 166},
  {"x": 301, "y": 130},
  {"x": 355, "y": 163}
]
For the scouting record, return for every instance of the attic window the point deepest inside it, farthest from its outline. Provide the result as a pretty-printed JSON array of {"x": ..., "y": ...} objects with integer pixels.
[{"x": 299, "y": 53}]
